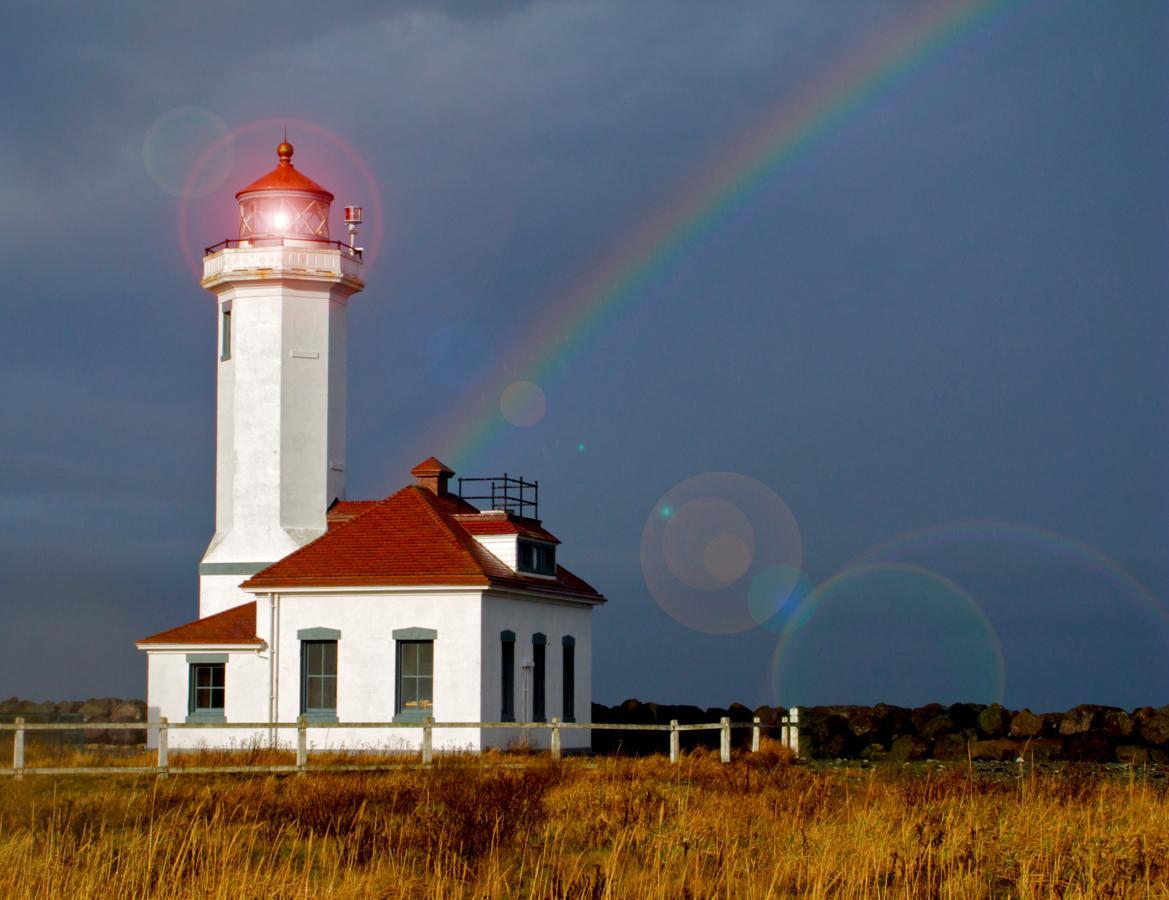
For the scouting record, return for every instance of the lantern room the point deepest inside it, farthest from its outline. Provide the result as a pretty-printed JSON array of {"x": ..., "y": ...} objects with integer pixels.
[{"x": 284, "y": 204}]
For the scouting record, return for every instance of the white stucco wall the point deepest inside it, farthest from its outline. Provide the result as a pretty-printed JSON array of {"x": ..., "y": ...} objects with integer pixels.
[
  {"x": 526, "y": 617},
  {"x": 245, "y": 699},
  {"x": 366, "y": 661},
  {"x": 504, "y": 546},
  {"x": 280, "y": 408},
  {"x": 467, "y": 663}
]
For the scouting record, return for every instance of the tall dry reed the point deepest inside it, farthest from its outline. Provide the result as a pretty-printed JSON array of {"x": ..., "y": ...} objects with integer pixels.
[{"x": 474, "y": 827}]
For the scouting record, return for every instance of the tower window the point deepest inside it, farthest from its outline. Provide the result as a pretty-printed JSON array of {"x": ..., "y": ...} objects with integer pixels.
[{"x": 225, "y": 336}]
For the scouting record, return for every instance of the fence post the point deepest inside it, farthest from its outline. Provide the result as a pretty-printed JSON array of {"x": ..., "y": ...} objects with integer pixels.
[
  {"x": 674, "y": 742},
  {"x": 724, "y": 744},
  {"x": 428, "y": 741},
  {"x": 755, "y": 735},
  {"x": 18, "y": 748},
  {"x": 163, "y": 762},
  {"x": 555, "y": 737},
  {"x": 301, "y": 744},
  {"x": 794, "y": 717}
]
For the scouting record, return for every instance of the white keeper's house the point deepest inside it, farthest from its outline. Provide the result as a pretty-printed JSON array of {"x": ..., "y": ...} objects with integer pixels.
[{"x": 351, "y": 611}]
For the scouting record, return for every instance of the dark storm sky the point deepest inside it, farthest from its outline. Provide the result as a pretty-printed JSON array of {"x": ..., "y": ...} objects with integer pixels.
[{"x": 950, "y": 307}]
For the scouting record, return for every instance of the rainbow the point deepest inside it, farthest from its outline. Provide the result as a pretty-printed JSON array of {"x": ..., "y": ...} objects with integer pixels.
[{"x": 790, "y": 129}]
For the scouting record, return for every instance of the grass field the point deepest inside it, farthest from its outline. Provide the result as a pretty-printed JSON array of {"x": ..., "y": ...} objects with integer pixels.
[{"x": 520, "y": 826}]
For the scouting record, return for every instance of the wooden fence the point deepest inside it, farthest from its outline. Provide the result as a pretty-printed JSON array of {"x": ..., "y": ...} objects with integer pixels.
[{"x": 788, "y": 728}]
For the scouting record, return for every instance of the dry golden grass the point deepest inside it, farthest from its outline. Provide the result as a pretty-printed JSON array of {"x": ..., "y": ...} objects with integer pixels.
[{"x": 470, "y": 827}]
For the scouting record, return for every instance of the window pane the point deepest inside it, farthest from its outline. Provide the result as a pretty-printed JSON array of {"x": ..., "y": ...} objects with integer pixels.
[
  {"x": 508, "y": 683},
  {"x": 319, "y": 675},
  {"x": 569, "y": 689},
  {"x": 538, "y": 682},
  {"x": 415, "y": 668},
  {"x": 207, "y": 681}
]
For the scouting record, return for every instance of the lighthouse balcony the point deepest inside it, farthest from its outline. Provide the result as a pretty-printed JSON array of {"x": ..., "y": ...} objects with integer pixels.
[{"x": 261, "y": 258}]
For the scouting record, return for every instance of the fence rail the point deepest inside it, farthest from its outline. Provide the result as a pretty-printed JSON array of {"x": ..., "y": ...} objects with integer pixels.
[{"x": 787, "y": 726}]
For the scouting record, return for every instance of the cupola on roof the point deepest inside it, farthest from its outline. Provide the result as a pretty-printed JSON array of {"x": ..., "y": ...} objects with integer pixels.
[{"x": 284, "y": 202}]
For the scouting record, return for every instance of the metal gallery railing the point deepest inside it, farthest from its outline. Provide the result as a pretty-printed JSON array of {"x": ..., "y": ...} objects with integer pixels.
[{"x": 787, "y": 726}]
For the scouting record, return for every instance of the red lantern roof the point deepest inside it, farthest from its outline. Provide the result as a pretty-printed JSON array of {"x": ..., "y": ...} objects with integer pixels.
[{"x": 285, "y": 177}]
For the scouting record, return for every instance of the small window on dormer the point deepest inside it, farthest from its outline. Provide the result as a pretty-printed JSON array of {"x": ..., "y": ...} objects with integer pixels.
[
  {"x": 225, "y": 351},
  {"x": 537, "y": 558}
]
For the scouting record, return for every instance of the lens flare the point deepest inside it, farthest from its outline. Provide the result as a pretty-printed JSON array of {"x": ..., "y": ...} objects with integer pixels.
[
  {"x": 888, "y": 633},
  {"x": 776, "y": 596},
  {"x": 523, "y": 404},
  {"x": 708, "y": 541},
  {"x": 180, "y": 137},
  {"x": 1051, "y": 592}
]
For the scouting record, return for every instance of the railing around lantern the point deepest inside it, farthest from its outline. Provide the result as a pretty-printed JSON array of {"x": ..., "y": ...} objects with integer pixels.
[
  {"x": 787, "y": 726},
  {"x": 282, "y": 241}
]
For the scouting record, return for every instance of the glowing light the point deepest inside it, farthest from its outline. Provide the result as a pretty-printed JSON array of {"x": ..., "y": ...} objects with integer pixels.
[
  {"x": 260, "y": 134},
  {"x": 580, "y": 448},
  {"x": 280, "y": 220}
]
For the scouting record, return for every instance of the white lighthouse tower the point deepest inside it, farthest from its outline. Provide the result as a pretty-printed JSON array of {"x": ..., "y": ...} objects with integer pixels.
[{"x": 282, "y": 289}]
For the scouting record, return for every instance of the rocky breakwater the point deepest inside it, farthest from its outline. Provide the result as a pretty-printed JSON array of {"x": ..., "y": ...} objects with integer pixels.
[
  {"x": 1087, "y": 733},
  {"x": 84, "y": 712},
  {"x": 637, "y": 743}
]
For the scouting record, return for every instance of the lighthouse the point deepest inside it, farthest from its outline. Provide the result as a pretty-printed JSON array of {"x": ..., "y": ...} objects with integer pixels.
[{"x": 282, "y": 289}]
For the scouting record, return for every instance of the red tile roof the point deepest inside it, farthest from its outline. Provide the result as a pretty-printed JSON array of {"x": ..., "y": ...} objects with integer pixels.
[
  {"x": 411, "y": 537},
  {"x": 234, "y": 626},
  {"x": 344, "y": 510},
  {"x": 506, "y": 523}
]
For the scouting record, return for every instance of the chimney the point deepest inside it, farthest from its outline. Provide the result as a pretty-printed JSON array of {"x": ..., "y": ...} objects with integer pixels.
[{"x": 432, "y": 475}]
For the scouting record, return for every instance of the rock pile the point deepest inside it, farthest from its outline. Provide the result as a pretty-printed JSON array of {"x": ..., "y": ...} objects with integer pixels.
[
  {"x": 104, "y": 709},
  {"x": 1086, "y": 733}
]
